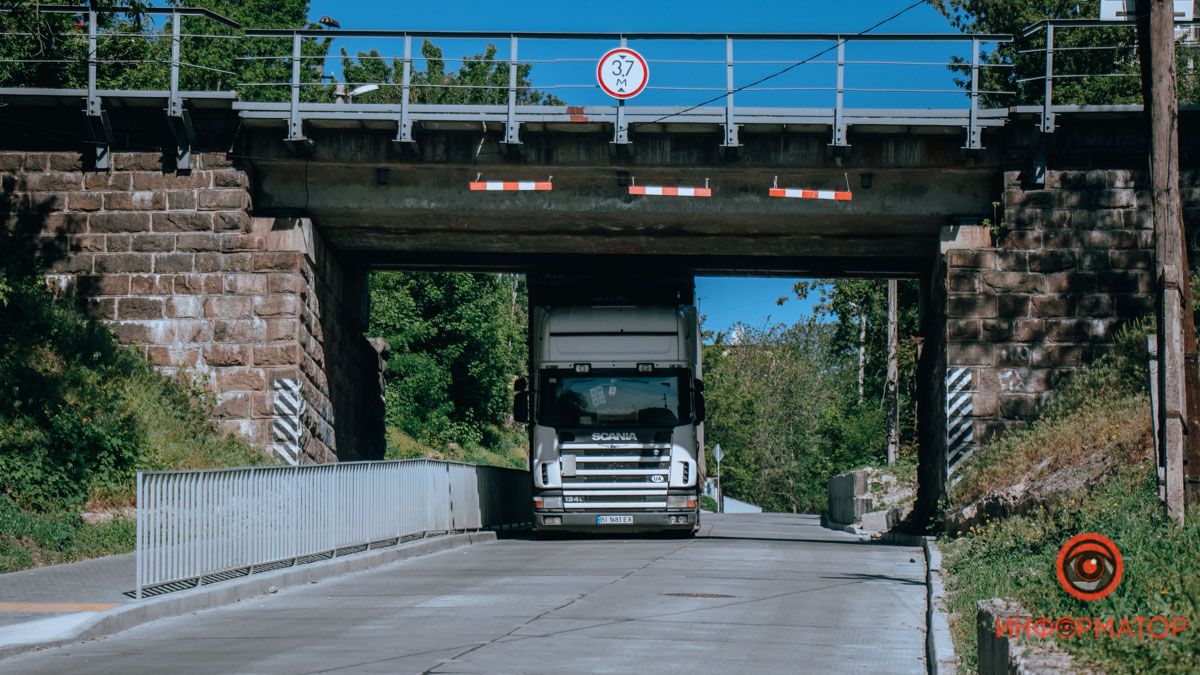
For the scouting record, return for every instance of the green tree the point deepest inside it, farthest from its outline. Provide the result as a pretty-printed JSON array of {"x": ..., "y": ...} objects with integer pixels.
[
  {"x": 849, "y": 304},
  {"x": 43, "y": 49},
  {"x": 133, "y": 51},
  {"x": 480, "y": 80},
  {"x": 458, "y": 342},
  {"x": 1091, "y": 65},
  {"x": 771, "y": 393}
]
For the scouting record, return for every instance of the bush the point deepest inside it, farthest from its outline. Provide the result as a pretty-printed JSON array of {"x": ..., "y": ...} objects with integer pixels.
[{"x": 81, "y": 413}]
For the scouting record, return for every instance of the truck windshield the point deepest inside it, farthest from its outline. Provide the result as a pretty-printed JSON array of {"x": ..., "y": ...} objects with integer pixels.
[{"x": 624, "y": 401}]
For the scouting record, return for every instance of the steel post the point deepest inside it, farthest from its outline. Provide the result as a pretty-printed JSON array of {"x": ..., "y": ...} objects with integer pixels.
[
  {"x": 620, "y": 126},
  {"x": 974, "y": 133},
  {"x": 839, "y": 119},
  {"x": 177, "y": 116},
  {"x": 404, "y": 135},
  {"x": 97, "y": 120},
  {"x": 512, "y": 128},
  {"x": 1048, "y": 97},
  {"x": 731, "y": 130},
  {"x": 295, "y": 123}
]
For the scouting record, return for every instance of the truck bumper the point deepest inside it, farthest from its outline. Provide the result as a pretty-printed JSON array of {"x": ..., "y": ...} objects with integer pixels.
[{"x": 643, "y": 521}]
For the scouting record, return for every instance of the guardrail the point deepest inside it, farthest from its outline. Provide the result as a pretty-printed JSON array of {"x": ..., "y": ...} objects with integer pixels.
[
  {"x": 293, "y": 77},
  {"x": 201, "y": 527}
]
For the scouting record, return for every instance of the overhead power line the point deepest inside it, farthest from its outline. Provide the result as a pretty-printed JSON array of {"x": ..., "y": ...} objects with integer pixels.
[{"x": 791, "y": 67}]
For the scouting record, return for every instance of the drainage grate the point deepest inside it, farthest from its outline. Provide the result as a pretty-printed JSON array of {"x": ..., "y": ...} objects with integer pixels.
[{"x": 700, "y": 595}]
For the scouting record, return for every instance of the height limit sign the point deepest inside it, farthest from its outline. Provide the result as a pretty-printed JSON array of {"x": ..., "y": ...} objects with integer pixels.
[{"x": 622, "y": 73}]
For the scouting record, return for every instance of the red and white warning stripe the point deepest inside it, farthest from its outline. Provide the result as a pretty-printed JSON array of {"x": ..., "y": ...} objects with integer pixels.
[
  {"x": 660, "y": 191},
  {"x": 510, "y": 186},
  {"x": 794, "y": 193}
]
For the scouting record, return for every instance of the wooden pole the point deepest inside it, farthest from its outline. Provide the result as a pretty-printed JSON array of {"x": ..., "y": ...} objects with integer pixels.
[
  {"x": 1156, "y": 47},
  {"x": 893, "y": 376}
]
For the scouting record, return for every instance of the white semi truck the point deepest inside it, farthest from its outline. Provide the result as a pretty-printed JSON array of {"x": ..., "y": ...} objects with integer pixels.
[{"x": 616, "y": 404}]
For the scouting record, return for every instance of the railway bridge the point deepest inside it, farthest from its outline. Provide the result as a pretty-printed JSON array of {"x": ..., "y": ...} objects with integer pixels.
[{"x": 231, "y": 234}]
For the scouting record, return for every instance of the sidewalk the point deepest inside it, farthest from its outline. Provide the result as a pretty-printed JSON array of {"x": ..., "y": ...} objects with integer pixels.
[
  {"x": 46, "y": 601},
  {"x": 65, "y": 604}
]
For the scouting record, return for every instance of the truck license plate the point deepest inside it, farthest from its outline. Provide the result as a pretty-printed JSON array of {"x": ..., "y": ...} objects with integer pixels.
[{"x": 614, "y": 520}]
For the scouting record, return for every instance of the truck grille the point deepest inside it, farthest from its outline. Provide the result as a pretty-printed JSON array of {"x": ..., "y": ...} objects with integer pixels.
[{"x": 617, "y": 476}]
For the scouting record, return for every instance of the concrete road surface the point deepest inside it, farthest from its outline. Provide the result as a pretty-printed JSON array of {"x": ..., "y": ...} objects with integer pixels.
[{"x": 755, "y": 593}]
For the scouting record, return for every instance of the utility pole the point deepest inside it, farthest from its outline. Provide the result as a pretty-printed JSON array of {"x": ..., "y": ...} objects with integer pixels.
[
  {"x": 893, "y": 376},
  {"x": 1156, "y": 48},
  {"x": 862, "y": 353}
]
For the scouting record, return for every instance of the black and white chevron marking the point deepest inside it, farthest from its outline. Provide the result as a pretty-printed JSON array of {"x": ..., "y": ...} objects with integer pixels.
[
  {"x": 960, "y": 433},
  {"x": 289, "y": 404}
]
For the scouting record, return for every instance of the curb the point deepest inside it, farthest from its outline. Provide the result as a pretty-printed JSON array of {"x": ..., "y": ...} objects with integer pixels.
[
  {"x": 137, "y": 613},
  {"x": 939, "y": 646}
]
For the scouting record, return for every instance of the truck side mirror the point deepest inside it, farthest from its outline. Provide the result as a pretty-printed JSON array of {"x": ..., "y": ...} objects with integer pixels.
[
  {"x": 698, "y": 397},
  {"x": 521, "y": 401}
]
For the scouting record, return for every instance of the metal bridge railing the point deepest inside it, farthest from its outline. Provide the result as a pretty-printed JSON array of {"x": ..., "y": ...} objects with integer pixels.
[
  {"x": 200, "y": 527},
  {"x": 1082, "y": 63},
  {"x": 833, "y": 80},
  {"x": 816, "y": 93}
]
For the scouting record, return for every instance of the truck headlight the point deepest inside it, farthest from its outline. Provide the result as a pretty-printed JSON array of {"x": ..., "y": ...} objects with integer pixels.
[
  {"x": 681, "y": 502},
  {"x": 547, "y": 502}
]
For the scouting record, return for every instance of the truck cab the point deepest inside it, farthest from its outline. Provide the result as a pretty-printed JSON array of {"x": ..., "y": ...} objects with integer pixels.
[{"x": 615, "y": 405}]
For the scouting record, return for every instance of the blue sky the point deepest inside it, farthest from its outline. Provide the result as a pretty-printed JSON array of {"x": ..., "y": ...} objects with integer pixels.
[{"x": 725, "y": 301}]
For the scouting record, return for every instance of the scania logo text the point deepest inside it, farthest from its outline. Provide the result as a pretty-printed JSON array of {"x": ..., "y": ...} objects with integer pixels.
[{"x": 614, "y": 437}]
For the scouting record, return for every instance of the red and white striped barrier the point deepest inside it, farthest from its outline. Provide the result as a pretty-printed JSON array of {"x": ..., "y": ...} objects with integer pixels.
[
  {"x": 511, "y": 186},
  {"x": 672, "y": 191},
  {"x": 795, "y": 193}
]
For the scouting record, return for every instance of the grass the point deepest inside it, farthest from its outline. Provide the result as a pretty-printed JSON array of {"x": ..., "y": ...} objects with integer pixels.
[
  {"x": 1103, "y": 408},
  {"x": 31, "y": 539},
  {"x": 511, "y": 451},
  {"x": 1119, "y": 427},
  {"x": 1015, "y": 558},
  {"x": 1103, "y": 412},
  {"x": 80, "y": 415},
  {"x": 708, "y": 503}
]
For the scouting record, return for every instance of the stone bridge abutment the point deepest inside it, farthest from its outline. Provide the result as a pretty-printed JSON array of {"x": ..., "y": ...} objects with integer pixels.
[
  {"x": 259, "y": 309},
  {"x": 249, "y": 271}
]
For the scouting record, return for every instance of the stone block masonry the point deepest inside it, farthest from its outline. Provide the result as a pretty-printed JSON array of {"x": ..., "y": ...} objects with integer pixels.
[
  {"x": 1070, "y": 263},
  {"x": 176, "y": 264}
]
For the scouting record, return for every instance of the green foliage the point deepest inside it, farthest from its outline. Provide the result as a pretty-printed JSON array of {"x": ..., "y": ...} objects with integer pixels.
[
  {"x": 708, "y": 503},
  {"x": 1015, "y": 558},
  {"x": 1103, "y": 408},
  {"x": 80, "y": 414},
  {"x": 1085, "y": 59},
  {"x": 481, "y": 79},
  {"x": 50, "y": 49},
  {"x": 29, "y": 539},
  {"x": 457, "y": 343},
  {"x": 784, "y": 402},
  {"x": 509, "y": 448},
  {"x": 847, "y": 303},
  {"x": 781, "y": 402}
]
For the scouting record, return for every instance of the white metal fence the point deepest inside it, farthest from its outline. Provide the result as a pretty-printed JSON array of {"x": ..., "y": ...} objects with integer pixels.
[{"x": 200, "y": 527}]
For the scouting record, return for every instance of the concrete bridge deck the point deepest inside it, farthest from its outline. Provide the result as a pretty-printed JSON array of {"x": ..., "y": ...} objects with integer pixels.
[{"x": 782, "y": 595}]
